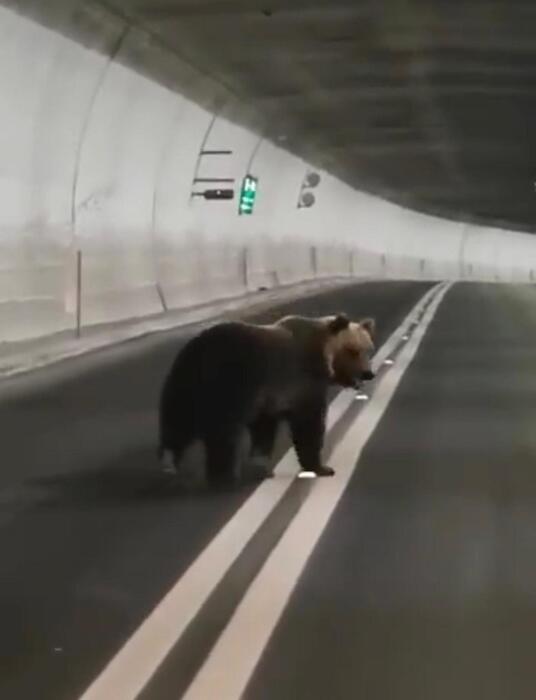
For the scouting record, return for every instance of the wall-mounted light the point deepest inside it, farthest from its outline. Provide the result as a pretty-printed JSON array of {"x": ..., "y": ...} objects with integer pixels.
[
  {"x": 306, "y": 198},
  {"x": 312, "y": 180},
  {"x": 215, "y": 194}
]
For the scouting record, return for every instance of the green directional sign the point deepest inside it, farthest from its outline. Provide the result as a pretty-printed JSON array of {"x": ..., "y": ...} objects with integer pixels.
[{"x": 247, "y": 195}]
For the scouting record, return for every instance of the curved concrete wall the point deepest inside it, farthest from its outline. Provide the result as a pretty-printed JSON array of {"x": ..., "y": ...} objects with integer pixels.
[{"x": 98, "y": 158}]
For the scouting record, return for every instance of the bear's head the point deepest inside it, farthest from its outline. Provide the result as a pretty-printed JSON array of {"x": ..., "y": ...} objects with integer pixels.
[{"x": 348, "y": 350}]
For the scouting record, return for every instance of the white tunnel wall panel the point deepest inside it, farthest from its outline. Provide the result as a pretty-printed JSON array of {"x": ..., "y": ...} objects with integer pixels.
[
  {"x": 178, "y": 226},
  {"x": 270, "y": 165},
  {"x": 115, "y": 192},
  {"x": 218, "y": 233},
  {"x": 290, "y": 256},
  {"x": 42, "y": 108},
  {"x": 98, "y": 159}
]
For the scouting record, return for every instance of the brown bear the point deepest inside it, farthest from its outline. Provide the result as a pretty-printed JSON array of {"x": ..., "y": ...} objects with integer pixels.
[{"x": 237, "y": 376}]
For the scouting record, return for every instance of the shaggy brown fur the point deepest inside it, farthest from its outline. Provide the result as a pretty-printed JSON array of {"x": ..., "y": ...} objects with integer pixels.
[{"x": 235, "y": 376}]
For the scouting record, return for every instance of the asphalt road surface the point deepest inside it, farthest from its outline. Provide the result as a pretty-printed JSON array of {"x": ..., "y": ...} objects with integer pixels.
[
  {"x": 91, "y": 535},
  {"x": 423, "y": 585},
  {"x": 411, "y": 575}
]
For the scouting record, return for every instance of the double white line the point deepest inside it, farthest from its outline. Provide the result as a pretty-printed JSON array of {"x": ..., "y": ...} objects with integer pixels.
[{"x": 231, "y": 662}]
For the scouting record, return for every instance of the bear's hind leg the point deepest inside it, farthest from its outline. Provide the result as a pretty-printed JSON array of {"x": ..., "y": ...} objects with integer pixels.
[
  {"x": 170, "y": 456},
  {"x": 263, "y": 433},
  {"x": 222, "y": 451},
  {"x": 177, "y": 431}
]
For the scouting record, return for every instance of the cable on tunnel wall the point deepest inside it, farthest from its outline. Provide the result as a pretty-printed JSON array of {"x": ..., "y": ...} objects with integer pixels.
[
  {"x": 76, "y": 170},
  {"x": 85, "y": 125},
  {"x": 461, "y": 254},
  {"x": 215, "y": 115},
  {"x": 158, "y": 174},
  {"x": 254, "y": 152},
  {"x": 249, "y": 166}
]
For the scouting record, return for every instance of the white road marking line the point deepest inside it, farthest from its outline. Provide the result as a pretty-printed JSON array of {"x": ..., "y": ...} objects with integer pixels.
[
  {"x": 135, "y": 663},
  {"x": 233, "y": 659}
]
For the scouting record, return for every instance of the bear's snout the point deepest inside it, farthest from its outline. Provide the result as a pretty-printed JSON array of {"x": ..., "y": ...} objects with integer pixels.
[{"x": 367, "y": 375}]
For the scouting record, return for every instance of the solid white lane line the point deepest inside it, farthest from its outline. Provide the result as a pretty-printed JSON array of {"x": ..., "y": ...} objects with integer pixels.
[
  {"x": 128, "y": 672},
  {"x": 231, "y": 662}
]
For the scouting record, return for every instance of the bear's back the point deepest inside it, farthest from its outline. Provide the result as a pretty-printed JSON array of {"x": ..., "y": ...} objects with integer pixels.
[{"x": 233, "y": 357}]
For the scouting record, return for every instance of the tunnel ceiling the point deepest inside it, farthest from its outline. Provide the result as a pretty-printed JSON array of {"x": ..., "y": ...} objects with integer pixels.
[{"x": 429, "y": 103}]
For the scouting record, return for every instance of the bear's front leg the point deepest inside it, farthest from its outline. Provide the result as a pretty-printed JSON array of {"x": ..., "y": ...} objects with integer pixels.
[{"x": 308, "y": 425}]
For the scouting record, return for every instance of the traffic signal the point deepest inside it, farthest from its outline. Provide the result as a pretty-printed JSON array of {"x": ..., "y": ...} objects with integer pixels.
[{"x": 247, "y": 195}]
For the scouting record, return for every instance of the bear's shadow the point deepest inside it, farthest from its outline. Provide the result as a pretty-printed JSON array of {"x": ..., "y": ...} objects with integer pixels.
[{"x": 137, "y": 476}]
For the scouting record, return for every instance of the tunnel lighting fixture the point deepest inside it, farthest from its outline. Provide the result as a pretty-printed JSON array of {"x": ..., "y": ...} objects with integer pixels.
[
  {"x": 217, "y": 194},
  {"x": 405, "y": 337},
  {"x": 306, "y": 475},
  {"x": 248, "y": 195},
  {"x": 360, "y": 396},
  {"x": 389, "y": 362},
  {"x": 306, "y": 198},
  {"x": 311, "y": 180}
]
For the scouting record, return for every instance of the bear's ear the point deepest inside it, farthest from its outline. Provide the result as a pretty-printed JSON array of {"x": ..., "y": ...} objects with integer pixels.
[
  {"x": 369, "y": 324},
  {"x": 339, "y": 323}
]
